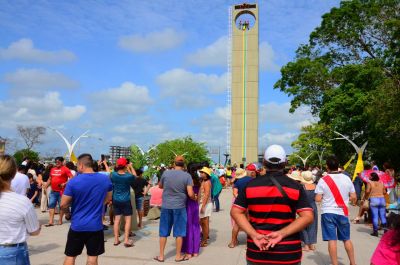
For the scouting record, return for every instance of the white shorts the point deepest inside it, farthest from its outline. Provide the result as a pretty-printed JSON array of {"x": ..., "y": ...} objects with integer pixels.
[{"x": 207, "y": 211}]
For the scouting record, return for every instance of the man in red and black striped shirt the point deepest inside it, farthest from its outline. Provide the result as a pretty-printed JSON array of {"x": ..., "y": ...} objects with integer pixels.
[{"x": 272, "y": 228}]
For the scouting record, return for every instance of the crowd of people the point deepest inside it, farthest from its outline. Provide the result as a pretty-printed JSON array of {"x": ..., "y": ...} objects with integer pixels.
[{"x": 275, "y": 205}]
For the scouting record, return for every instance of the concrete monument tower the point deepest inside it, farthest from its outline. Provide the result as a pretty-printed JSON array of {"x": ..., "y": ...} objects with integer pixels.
[{"x": 244, "y": 83}]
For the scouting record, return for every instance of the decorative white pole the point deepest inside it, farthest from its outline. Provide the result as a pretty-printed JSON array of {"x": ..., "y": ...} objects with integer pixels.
[
  {"x": 304, "y": 160},
  {"x": 359, "y": 151},
  {"x": 320, "y": 156},
  {"x": 70, "y": 147}
]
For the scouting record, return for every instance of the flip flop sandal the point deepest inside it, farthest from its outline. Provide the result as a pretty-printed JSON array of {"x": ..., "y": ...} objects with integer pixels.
[
  {"x": 182, "y": 259},
  {"x": 204, "y": 244},
  {"x": 232, "y": 245},
  {"x": 116, "y": 244},
  {"x": 158, "y": 259},
  {"x": 129, "y": 245},
  {"x": 48, "y": 225}
]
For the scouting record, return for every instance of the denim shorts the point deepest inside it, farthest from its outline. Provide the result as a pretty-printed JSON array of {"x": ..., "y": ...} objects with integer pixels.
[
  {"x": 176, "y": 218},
  {"x": 122, "y": 208},
  {"x": 139, "y": 203},
  {"x": 55, "y": 196},
  {"x": 335, "y": 227},
  {"x": 14, "y": 255}
]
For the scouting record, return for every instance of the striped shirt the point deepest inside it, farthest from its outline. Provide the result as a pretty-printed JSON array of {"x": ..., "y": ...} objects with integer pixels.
[
  {"x": 17, "y": 218},
  {"x": 269, "y": 211}
]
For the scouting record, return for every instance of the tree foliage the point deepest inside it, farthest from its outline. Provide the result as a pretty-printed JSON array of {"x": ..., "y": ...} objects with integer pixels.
[
  {"x": 164, "y": 153},
  {"x": 314, "y": 140},
  {"x": 137, "y": 157},
  {"x": 30, "y": 154},
  {"x": 31, "y": 135},
  {"x": 348, "y": 74}
]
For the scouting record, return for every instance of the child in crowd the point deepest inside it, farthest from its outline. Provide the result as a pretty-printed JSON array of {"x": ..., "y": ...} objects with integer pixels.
[{"x": 33, "y": 190}]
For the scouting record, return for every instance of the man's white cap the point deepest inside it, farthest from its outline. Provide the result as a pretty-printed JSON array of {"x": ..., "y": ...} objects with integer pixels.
[{"x": 275, "y": 154}]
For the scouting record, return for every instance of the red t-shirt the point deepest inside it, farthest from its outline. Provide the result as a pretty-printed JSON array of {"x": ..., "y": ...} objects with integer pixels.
[{"x": 59, "y": 176}]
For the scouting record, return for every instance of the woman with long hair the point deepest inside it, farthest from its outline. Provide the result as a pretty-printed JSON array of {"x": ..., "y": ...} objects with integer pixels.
[
  {"x": 375, "y": 192},
  {"x": 44, "y": 201},
  {"x": 191, "y": 243},
  {"x": 18, "y": 218}
]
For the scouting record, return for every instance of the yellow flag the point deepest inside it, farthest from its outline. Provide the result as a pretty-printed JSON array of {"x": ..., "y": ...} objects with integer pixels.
[
  {"x": 73, "y": 158},
  {"x": 348, "y": 163},
  {"x": 359, "y": 165}
]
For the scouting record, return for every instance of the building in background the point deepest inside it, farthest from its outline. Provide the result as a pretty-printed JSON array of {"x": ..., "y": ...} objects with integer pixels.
[{"x": 118, "y": 151}]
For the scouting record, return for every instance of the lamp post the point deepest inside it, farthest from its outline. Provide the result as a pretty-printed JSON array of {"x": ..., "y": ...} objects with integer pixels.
[
  {"x": 226, "y": 159},
  {"x": 260, "y": 158}
]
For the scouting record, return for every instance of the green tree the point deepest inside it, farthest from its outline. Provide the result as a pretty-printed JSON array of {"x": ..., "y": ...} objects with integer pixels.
[
  {"x": 164, "y": 153},
  {"x": 137, "y": 157},
  {"x": 348, "y": 74},
  {"x": 30, "y": 154},
  {"x": 314, "y": 139}
]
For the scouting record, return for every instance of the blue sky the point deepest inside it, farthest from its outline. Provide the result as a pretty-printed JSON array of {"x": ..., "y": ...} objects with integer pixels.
[{"x": 140, "y": 71}]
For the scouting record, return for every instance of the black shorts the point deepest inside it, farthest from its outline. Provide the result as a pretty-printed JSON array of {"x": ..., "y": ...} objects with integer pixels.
[
  {"x": 94, "y": 242},
  {"x": 122, "y": 208}
]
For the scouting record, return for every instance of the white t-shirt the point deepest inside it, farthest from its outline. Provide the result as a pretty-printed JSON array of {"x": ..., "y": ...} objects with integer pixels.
[
  {"x": 20, "y": 183},
  {"x": 345, "y": 187},
  {"x": 17, "y": 218}
]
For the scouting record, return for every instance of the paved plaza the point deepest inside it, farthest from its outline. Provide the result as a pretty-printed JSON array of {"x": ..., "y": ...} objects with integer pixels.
[{"x": 48, "y": 247}]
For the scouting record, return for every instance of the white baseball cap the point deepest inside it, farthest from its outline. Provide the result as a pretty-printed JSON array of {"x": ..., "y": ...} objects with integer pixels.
[{"x": 275, "y": 154}]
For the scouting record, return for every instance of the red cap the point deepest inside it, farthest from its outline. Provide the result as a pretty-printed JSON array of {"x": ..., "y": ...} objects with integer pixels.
[
  {"x": 251, "y": 167},
  {"x": 122, "y": 162}
]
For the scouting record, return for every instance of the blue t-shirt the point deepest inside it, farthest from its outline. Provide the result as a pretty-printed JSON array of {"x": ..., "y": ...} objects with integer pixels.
[
  {"x": 88, "y": 192},
  {"x": 122, "y": 186},
  {"x": 240, "y": 184}
]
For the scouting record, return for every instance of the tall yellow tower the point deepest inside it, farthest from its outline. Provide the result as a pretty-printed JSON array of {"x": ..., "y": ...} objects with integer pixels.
[{"x": 244, "y": 84}]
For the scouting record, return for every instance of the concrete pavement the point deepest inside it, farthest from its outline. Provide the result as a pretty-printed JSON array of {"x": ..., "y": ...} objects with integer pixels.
[{"x": 48, "y": 247}]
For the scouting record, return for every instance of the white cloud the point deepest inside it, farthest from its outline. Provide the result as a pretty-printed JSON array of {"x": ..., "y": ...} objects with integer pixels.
[
  {"x": 37, "y": 81},
  {"x": 276, "y": 113},
  {"x": 282, "y": 126},
  {"x": 126, "y": 99},
  {"x": 119, "y": 140},
  {"x": 213, "y": 127},
  {"x": 24, "y": 50},
  {"x": 285, "y": 139},
  {"x": 45, "y": 110},
  {"x": 267, "y": 58},
  {"x": 190, "y": 89},
  {"x": 154, "y": 41},
  {"x": 214, "y": 54}
]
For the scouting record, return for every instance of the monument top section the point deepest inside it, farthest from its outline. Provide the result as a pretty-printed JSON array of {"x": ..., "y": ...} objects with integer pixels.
[{"x": 245, "y": 6}]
